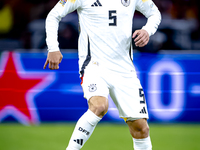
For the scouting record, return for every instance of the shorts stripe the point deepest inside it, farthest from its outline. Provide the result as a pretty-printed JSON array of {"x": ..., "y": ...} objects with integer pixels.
[{"x": 82, "y": 79}]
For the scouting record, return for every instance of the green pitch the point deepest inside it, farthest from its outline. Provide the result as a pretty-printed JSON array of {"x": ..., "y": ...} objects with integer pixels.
[{"x": 105, "y": 137}]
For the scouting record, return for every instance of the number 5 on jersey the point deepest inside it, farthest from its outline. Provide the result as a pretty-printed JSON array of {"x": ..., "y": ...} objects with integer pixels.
[
  {"x": 112, "y": 14},
  {"x": 141, "y": 93}
]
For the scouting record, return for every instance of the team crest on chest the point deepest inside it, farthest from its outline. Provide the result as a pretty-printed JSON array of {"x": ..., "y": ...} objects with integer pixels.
[{"x": 126, "y": 3}]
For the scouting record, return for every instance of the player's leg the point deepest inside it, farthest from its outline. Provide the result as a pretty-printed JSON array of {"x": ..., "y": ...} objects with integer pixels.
[
  {"x": 139, "y": 130},
  {"x": 98, "y": 106},
  {"x": 96, "y": 92},
  {"x": 129, "y": 98}
]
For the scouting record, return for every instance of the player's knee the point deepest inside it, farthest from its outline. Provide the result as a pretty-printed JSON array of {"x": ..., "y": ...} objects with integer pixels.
[
  {"x": 138, "y": 128},
  {"x": 100, "y": 110},
  {"x": 98, "y": 107},
  {"x": 140, "y": 132},
  {"x": 144, "y": 131}
]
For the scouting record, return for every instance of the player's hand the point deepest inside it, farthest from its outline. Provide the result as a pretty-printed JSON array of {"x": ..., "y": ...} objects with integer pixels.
[
  {"x": 53, "y": 59},
  {"x": 141, "y": 37}
]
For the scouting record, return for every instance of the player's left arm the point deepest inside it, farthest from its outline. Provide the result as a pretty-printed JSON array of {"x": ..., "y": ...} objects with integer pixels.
[
  {"x": 151, "y": 12},
  {"x": 141, "y": 37}
]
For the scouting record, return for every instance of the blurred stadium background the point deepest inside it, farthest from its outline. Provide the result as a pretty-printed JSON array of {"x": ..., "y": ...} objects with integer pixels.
[{"x": 39, "y": 108}]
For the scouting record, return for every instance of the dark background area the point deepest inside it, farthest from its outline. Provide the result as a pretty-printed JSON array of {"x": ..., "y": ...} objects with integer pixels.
[{"x": 23, "y": 26}]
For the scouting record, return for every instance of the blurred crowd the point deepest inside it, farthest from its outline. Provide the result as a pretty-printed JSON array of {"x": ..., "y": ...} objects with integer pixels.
[{"x": 23, "y": 26}]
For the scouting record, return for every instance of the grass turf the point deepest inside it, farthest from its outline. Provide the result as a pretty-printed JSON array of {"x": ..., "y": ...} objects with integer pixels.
[{"x": 105, "y": 137}]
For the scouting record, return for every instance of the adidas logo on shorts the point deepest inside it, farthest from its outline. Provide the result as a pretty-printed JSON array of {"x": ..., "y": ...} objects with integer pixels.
[{"x": 143, "y": 111}]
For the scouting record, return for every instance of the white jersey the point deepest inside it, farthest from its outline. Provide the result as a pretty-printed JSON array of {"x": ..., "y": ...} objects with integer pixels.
[{"x": 105, "y": 30}]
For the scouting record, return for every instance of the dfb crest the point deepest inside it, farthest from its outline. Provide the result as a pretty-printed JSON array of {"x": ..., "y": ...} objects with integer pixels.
[
  {"x": 126, "y": 3},
  {"x": 92, "y": 87}
]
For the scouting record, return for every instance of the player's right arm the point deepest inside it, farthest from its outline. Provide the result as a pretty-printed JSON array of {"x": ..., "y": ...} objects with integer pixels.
[{"x": 61, "y": 9}]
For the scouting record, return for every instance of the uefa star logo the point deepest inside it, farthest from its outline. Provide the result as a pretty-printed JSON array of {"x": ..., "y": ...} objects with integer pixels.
[{"x": 18, "y": 89}]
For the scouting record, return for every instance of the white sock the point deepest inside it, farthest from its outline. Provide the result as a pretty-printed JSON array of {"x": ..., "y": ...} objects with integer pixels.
[
  {"x": 142, "y": 144},
  {"x": 83, "y": 130}
]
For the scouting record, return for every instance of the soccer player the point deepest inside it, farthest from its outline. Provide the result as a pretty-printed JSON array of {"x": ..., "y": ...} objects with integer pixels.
[{"x": 105, "y": 62}]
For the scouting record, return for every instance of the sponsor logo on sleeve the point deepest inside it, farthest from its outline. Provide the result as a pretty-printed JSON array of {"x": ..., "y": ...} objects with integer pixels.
[
  {"x": 63, "y": 2},
  {"x": 151, "y": 5}
]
